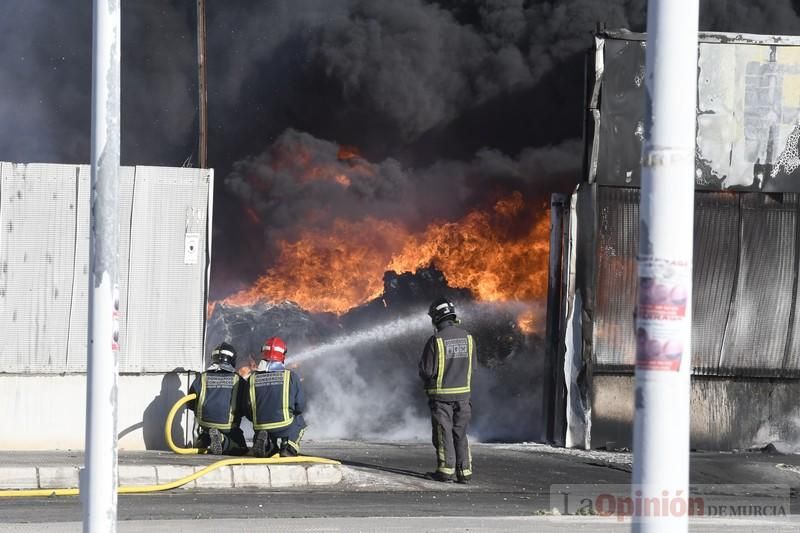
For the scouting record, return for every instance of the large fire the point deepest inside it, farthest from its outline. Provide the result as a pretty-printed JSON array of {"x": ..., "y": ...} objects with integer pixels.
[
  {"x": 342, "y": 268},
  {"x": 485, "y": 253},
  {"x": 333, "y": 271}
]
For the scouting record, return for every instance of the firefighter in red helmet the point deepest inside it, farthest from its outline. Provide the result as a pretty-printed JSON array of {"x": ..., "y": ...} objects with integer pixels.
[
  {"x": 275, "y": 403},
  {"x": 446, "y": 371}
]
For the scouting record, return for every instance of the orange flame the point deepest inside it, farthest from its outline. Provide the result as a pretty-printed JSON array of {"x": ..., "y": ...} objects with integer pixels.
[
  {"x": 342, "y": 180},
  {"x": 334, "y": 271},
  {"x": 526, "y": 322},
  {"x": 482, "y": 253},
  {"x": 343, "y": 268}
]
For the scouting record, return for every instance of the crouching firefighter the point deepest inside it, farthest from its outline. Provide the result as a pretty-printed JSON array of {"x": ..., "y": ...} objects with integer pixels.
[
  {"x": 446, "y": 371},
  {"x": 218, "y": 405},
  {"x": 275, "y": 404}
]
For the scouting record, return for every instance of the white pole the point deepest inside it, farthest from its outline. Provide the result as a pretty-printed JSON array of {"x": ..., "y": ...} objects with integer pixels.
[
  {"x": 99, "y": 478},
  {"x": 664, "y": 318}
]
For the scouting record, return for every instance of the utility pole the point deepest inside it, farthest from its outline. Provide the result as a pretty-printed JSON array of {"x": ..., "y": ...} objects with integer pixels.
[
  {"x": 99, "y": 476},
  {"x": 202, "y": 86},
  {"x": 663, "y": 315}
]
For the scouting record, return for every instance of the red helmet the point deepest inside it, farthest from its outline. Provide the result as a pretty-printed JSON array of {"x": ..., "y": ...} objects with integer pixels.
[{"x": 274, "y": 349}]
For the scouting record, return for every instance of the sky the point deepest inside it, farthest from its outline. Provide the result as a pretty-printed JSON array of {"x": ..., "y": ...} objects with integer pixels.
[{"x": 460, "y": 93}]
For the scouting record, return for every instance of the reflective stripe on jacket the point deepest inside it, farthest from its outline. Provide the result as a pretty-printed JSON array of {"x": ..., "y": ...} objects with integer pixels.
[
  {"x": 274, "y": 399},
  {"x": 217, "y": 397},
  {"x": 446, "y": 365}
]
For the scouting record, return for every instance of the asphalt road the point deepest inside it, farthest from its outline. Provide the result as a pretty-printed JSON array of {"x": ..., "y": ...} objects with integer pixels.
[
  {"x": 538, "y": 524},
  {"x": 386, "y": 480}
]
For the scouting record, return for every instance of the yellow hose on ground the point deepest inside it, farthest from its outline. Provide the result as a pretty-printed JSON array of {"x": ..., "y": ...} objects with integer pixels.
[
  {"x": 174, "y": 484},
  {"x": 168, "y": 427},
  {"x": 33, "y": 493}
]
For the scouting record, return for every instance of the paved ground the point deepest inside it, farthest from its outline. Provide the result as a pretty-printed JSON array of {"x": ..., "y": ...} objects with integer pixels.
[
  {"x": 539, "y": 524},
  {"x": 386, "y": 480}
]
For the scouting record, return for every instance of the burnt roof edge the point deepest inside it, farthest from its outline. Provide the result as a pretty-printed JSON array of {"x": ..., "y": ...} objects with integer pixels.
[{"x": 710, "y": 37}]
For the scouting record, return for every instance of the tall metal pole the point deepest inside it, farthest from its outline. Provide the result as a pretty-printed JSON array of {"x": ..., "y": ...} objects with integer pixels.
[
  {"x": 664, "y": 318},
  {"x": 99, "y": 478},
  {"x": 202, "y": 148}
]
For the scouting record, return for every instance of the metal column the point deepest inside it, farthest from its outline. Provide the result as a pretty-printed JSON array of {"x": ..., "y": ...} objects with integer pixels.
[
  {"x": 663, "y": 314},
  {"x": 99, "y": 477}
]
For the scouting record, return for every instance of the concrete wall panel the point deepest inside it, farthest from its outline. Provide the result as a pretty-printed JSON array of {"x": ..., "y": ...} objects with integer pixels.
[
  {"x": 164, "y": 216},
  {"x": 737, "y": 413},
  {"x": 47, "y": 412}
]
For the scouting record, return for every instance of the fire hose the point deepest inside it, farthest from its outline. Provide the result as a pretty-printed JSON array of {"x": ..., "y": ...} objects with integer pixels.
[
  {"x": 168, "y": 427},
  {"x": 139, "y": 489}
]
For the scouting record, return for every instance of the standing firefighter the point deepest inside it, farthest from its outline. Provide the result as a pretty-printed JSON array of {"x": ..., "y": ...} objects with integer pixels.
[
  {"x": 217, "y": 407},
  {"x": 275, "y": 403},
  {"x": 446, "y": 370}
]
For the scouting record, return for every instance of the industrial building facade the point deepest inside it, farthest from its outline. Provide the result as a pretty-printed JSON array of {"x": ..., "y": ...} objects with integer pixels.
[{"x": 746, "y": 321}]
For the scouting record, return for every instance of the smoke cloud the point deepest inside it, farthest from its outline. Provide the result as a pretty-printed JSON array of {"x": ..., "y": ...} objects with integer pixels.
[
  {"x": 368, "y": 397},
  {"x": 45, "y": 97},
  {"x": 376, "y": 394},
  {"x": 387, "y": 76}
]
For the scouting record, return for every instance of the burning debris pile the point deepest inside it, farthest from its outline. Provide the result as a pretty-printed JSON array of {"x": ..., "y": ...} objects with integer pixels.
[
  {"x": 360, "y": 368},
  {"x": 494, "y": 327},
  {"x": 247, "y": 326}
]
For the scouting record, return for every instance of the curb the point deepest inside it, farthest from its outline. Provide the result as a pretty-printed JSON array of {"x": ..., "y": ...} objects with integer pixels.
[{"x": 237, "y": 476}]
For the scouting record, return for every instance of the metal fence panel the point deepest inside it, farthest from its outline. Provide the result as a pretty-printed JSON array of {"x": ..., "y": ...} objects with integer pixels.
[
  {"x": 791, "y": 362},
  {"x": 617, "y": 243},
  {"x": 755, "y": 339},
  {"x": 166, "y": 284},
  {"x": 744, "y": 276},
  {"x": 716, "y": 256},
  {"x": 38, "y": 214},
  {"x": 79, "y": 318},
  {"x": 125, "y": 195},
  {"x": 44, "y": 264}
]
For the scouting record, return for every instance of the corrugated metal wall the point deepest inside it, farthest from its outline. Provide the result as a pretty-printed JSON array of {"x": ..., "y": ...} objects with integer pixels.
[
  {"x": 745, "y": 283},
  {"x": 163, "y": 266}
]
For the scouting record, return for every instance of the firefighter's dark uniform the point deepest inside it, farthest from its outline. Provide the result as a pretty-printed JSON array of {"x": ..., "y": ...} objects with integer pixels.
[
  {"x": 446, "y": 370},
  {"x": 218, "y": 405},
  {"x": 275, "y": 404}
]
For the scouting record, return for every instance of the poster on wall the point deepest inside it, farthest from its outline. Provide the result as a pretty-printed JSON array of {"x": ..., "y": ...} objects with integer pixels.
[{"x": 661, "y": 320}]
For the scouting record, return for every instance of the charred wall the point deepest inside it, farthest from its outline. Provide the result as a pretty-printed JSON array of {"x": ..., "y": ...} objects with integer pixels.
[
  {"x": 727, "y": 414},
  {"x": 745, "y": 358},
  {"x": 745, "y": 332},
  {"x": 747, "y": 128}
]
